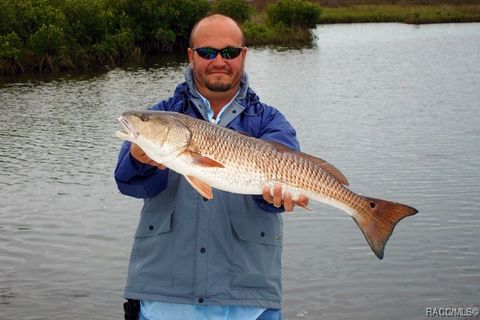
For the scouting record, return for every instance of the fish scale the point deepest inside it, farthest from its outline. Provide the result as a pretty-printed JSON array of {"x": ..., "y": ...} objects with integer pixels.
[
  {"x": 209, "y": 156},
  {"x": 252, "y": 154}
]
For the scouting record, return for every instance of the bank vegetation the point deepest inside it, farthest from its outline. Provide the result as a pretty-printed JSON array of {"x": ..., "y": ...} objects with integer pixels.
[{"x": 56, "y": 35}]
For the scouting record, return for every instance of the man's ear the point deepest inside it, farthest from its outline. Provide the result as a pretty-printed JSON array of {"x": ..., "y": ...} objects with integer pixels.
[
  {"x": 244, "y": 54},
  {"x": 190, "y": 54}
]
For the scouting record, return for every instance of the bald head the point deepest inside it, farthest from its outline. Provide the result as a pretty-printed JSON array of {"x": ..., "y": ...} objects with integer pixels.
[
  {"x": 210, "y": 26},
  {"x": 218, "y": 77}
]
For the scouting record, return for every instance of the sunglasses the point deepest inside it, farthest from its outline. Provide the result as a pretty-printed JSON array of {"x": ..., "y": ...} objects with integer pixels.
[{"x": 211, "y": 53}]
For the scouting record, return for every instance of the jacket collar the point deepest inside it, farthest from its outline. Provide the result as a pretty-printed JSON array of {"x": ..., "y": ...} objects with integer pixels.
[
  {"x": 244, "y": 84},
  {"x": 231, "y": 112}
]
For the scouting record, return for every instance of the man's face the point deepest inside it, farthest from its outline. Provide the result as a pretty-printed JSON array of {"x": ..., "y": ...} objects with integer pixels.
[{"x": 219, "y": 74}]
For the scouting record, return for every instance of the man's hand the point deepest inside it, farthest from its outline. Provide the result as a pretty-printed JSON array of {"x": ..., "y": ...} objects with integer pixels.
[
  {"x": 140, "y": 156},
  {"x": 277, "y": 200}
]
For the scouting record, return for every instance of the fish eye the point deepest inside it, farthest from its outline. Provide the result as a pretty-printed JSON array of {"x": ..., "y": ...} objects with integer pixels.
[{"x": 144, "y": 117}]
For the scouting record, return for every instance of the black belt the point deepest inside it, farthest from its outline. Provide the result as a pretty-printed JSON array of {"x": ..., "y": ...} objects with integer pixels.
[{"x": 132, "y": 309}]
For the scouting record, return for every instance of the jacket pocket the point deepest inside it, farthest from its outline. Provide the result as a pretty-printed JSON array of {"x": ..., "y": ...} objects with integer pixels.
[
  {"x": 257, "y": 250},
  {"x": 154, "y": 223},
  {"x": 151, "y": 264}
]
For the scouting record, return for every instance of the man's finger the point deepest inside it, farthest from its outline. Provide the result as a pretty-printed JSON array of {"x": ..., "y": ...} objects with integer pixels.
[
  {"x": 267, "y": 196},
  {"x": 138, "y": 153},
  {"x": 302, "y": 201},
  {"x": 140, "y": 156},
  {"x": 277, "y": 195},
  {"x": 287, "y": 202}
]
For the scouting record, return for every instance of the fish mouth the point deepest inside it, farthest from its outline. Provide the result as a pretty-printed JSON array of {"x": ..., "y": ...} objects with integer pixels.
[{"x": 129, "y": 133}]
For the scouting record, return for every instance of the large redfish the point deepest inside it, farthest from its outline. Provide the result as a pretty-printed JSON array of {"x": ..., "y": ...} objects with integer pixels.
[{"x": 208, "y": 155}]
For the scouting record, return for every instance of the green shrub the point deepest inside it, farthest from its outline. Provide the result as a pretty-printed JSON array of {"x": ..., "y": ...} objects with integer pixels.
[
  {"x": 279, "y": 34},
  {"x": 25, "y": 17},
  {"x": 158, "y": 22},
  {"x": 114, "y": 45},
  {"x": 8, "y": 17},
  {"x": 240, "y": 10},
  {"x": 49, "y": 39},
  {"x": 10, "y": 46},
  {"x": 87, "y": 21},
  {"x": 294, "y": 13},
  {"x": 123, "y": 40},
  {"x": 51, "y": 35},
  {"x": 165, "y": 35},
  {"x": 183, "y": 15},
  {"x": 257, "y": 33},
  {"x": 147, "y": 17}
]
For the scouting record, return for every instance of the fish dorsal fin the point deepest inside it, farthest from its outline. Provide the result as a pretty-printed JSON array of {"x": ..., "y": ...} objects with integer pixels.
[
  {"x": 204, "y": 189},
  {"x": 329, "y": 168},
  {"x": 203, "y": 161},
  {"x": 280, "y": 147}
]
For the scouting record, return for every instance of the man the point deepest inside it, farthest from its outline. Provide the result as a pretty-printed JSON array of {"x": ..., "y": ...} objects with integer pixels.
[{"x": 217, "y": 259}]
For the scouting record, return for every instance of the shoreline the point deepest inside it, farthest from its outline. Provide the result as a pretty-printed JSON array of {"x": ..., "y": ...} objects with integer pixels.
[{"x": 121, "y": 48}]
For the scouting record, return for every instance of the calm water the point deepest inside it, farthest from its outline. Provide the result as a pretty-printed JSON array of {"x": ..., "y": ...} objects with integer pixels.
[{"x": 395, "y": 107}]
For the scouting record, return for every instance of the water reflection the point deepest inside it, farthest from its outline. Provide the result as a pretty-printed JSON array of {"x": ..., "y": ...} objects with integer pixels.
[{"x": 398, "y": 118}]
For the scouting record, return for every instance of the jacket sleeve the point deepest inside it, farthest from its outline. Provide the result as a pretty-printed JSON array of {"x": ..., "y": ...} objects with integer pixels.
[
  {"x": 136, "y": 179},
  {"x": 276, "y": 128}
]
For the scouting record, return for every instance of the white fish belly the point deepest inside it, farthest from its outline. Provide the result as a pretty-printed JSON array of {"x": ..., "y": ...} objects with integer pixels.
[
  {"x": 243, "y": 181},
  {"x": 229, "y": 179}
]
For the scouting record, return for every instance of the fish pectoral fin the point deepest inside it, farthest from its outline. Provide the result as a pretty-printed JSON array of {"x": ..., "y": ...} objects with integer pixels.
[
  {"x": 171, "y": 156},
  {"x": 202, "y": 161},
  {"x": 204, "y": 189}
]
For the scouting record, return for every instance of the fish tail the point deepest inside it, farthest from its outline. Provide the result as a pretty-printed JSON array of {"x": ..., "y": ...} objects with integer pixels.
[{"x": 378, "y": 219}]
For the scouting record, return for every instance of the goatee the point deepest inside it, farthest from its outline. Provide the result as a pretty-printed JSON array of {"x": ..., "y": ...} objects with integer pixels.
[{"x": 218, "y": 86}]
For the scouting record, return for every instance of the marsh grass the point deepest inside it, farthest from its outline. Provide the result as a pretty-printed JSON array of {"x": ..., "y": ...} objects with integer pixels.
[
  {"x": 413, "y": 14},
  {"x": 261, "y": 35},
  {"x": 259, "y": 31},
  {"x": 261, "y": 4}
]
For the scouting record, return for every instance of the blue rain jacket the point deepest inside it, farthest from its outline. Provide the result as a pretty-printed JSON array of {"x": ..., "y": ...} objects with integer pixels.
[{"x": 225, "y": 251}]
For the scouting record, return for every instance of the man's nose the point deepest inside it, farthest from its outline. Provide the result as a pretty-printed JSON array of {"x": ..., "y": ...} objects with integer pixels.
[{"x": 219, "y": 60}]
